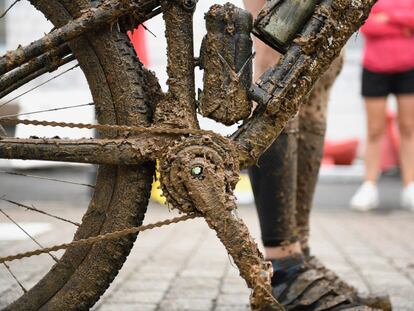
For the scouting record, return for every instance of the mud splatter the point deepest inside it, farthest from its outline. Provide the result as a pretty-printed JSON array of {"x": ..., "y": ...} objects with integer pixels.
[{"x": 226, "y": 59}]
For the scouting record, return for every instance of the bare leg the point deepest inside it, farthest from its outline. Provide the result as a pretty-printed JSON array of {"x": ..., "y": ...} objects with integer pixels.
[
  {"x": 406, "y": 126},
  {"x": 376, "y": 122},
  {"x": 266, "y": 57}
]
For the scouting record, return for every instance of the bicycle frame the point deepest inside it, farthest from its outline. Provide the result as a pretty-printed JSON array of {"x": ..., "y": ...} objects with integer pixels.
[{"x": 201, "y": 159}]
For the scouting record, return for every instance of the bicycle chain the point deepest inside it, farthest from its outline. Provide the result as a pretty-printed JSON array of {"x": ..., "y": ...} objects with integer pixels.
[
  {"x": 106, "y": 127},
  {"x": 100, "y": 238},
  {"x": 109, "y": 127}
]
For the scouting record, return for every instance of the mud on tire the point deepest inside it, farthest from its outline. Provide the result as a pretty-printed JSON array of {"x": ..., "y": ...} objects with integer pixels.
[{"x": 117, "y": 83}]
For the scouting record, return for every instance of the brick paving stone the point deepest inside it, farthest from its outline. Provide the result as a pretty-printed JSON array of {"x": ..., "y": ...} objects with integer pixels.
[
  {"x": 232, "y": 308},
  {"x": 184, "y": 282},
  {"x": 145, "y": 286},
  {"x": 231, "y": 288},
  {"x": 193, "y": 293},
  {"x": 145, "y": 297},
  {"x": 186, "y": 304},
  {"x": 204, "y": 272},
  {"x": 233, "y": 299},
  {"x": 129, "y": 307}
]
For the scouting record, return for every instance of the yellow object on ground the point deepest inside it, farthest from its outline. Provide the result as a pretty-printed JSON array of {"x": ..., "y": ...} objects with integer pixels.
[
  {"x": 243, "y": 191},
  {"x": 156, "y": 192}
]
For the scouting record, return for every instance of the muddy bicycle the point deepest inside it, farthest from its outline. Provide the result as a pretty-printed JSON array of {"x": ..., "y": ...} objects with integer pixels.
[{"x": 139, "y": 124}]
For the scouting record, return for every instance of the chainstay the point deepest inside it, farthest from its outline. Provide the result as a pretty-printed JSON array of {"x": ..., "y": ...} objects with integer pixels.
[
  {"x": 100, "y": 238},
  {"x": 108, "y": 127}
]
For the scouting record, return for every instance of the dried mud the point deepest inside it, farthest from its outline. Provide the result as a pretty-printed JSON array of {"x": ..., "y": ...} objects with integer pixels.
[
  {"x": 226, "y": 59},
  {"x": 211, "y": 196},
  {"x": 312, "y": 127},
  {"x": 274, "y": 180},
  {"x": 178, "y": 107}
]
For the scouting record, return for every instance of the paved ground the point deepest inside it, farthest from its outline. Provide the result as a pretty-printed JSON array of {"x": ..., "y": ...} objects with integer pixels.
[{"x": 184, "y": 267}]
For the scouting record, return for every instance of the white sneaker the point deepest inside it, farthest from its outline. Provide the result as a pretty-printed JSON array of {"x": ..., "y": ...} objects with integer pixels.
[
  {"x": 366, "y": 198},
  {"x": 407, "y": 197}
]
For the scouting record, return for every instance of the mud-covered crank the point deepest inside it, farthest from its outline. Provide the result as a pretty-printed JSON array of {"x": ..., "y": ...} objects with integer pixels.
[{"x": 199, "y": 175}]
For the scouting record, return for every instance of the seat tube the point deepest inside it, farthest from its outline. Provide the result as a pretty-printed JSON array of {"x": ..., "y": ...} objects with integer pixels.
[{"x": 178, "y": 107}]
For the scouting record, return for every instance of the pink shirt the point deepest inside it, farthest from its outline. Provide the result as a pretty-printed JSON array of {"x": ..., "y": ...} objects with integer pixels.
[{"x": 389, "y": 46}]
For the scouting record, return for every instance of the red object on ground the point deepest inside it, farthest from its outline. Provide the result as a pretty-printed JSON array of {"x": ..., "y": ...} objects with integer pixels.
[
  {"x": 138, "y": 40},
  {"x": 391, "y": 144},
  {"x": 341, "y": 152},
  {"x": 344, "y": 152}
]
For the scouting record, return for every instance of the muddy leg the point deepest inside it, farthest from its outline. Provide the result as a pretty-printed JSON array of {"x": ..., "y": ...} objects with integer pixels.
[
  {"x": 312, "y": 120},
  {"x": 208, "y": 192},
  {"x": 274, "y": 185},
  {"x": 310, "y": 151}
]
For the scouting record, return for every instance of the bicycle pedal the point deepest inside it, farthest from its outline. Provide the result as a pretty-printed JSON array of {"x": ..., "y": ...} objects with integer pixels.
[{"x": 279, "y": 22}]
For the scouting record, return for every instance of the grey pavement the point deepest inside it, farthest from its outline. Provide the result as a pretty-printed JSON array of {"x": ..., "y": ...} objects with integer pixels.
[{"x": 184, "y": 267}]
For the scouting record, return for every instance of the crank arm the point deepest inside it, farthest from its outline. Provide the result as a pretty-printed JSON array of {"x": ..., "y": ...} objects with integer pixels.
[
  {"x": 206, "y": 187},
  {"x": 197, "y": 175}
]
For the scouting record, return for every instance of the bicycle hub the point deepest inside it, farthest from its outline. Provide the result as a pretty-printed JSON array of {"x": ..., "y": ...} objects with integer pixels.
[
  {"x": 190, "y": 157},
  {"x": 280, "y": 21},
  {"x": 226, "y": 57}
]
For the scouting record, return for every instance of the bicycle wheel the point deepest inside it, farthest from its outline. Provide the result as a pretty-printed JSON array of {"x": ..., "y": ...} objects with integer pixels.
[{"x": 116, "y": 81}]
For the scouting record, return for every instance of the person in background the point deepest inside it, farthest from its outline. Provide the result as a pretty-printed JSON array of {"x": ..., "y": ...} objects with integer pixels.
[
  {"x": 283, "y": 184},
  {"x": 388, "y": 68}
]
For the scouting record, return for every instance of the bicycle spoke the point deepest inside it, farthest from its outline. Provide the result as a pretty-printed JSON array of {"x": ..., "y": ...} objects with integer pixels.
[
  {"x": 104, "y": 237},
  {"x": 9, "y": 8},
  {"x": 44, "y": 60},
  {"x": 31, "y": 76},
  {"x": 42, "y": 111},
  {"x": 47, "y": 178},
  {"x": 26, "y": 233},
  {"x": 34, "y": 69},
  {"x": 32, "y": 208},
  {"x": 106, "y": 13},
  {"x": 39, "y": 85},
  {"x": 147, "y": 29},
  {"x": 15, "y": 278}
]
